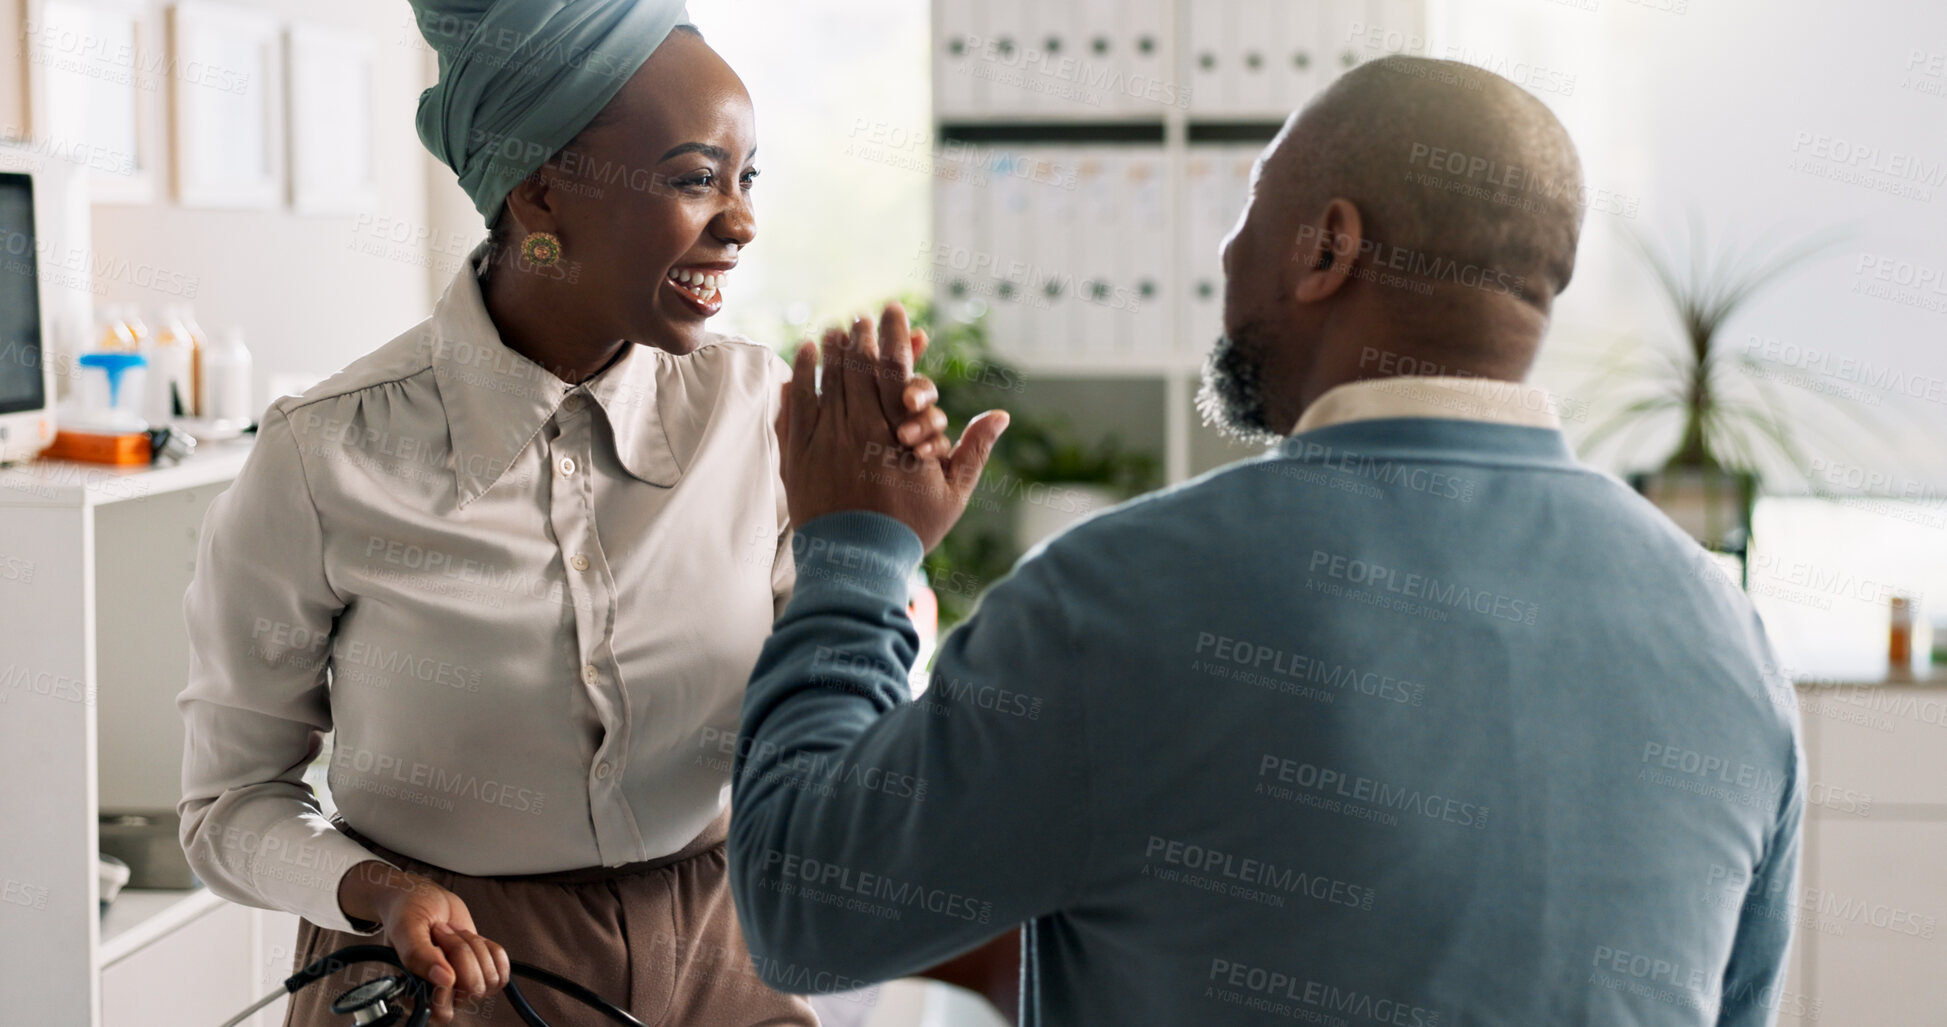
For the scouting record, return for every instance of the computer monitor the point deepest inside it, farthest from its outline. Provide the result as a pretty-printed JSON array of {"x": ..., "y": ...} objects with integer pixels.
[
  {"x": 47, "y": 291},
  {"x": 26, "y": 373}
]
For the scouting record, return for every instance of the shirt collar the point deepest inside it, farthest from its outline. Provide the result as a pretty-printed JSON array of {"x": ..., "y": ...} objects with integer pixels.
[
  {"x": 1459, "y": 399},
  {"x": 497, "y": 400}
]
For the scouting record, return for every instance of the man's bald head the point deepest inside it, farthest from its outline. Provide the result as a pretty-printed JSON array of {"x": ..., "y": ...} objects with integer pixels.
[
  {"x": 1416, "y": 208},
  {"x": 1444, "y": 161}
]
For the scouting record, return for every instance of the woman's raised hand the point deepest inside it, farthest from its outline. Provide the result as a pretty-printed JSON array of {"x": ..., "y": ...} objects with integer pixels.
[
  {"x": 431, "y": 930},
  {"x": 843, "y": 440}
]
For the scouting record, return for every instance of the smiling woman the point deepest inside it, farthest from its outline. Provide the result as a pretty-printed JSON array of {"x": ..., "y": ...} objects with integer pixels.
[
  {"x": 589, "y": 478},
  {"x": 638, "y": 255}
]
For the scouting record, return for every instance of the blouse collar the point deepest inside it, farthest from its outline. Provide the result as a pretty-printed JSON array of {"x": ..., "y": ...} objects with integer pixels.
[{"x": 497, "y": 400}]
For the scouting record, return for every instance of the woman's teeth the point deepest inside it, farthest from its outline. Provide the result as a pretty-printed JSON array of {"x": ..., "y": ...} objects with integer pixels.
[{"x": 700, "y": 284}]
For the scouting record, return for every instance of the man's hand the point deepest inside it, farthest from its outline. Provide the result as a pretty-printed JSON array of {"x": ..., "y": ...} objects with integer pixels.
[
  {"x": 916, "y": 407},
  {"x": 839, "y": 447}
]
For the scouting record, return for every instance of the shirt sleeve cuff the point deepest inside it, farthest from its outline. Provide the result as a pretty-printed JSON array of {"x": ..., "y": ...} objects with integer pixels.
[
  {"x": 312, "y": 891},
  {"x": 859, "y": 550}
]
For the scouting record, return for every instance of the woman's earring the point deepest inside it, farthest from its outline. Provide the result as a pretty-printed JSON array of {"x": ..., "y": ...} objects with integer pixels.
[{"x": 542, "y": 249}]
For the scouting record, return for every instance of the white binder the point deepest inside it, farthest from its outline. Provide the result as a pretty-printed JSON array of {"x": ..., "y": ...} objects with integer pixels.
[
  {"x": 1208, "y": 56},
  {"x": 1239, "y": 159},
  {"x": 1257, "y": 38},
  {"x": 1032, "y": 20},
  {"x": 959, "y": 237},
  {"x": 1051, "y": 302},
  {"x": 1401, "y": 29},
  {"x": 1010, "y": 212},
  {"x": 1102, "y": 53},
  {"x": 1201, "y": 290},
  {"x": 1098, "y": 253},
  {"x": 1218, "y": 182},
  {"x": 1343, "y": 31},
  {"x": 1056, "y": 60},
  {"x": 1007, "y": 72},
  {"x": 1149, "y": 79},
  {"x": 956, "y": 91},
  {"x": 1302, "y": 56},
  {"x": 1142, "y": 303}
]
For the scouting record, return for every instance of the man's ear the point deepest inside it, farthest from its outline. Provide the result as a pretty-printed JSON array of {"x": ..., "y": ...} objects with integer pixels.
[{"x": 1326, "y": 247}]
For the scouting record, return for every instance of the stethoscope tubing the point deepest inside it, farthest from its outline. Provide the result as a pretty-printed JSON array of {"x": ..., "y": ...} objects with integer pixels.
[{"x": 325, "y": 966}]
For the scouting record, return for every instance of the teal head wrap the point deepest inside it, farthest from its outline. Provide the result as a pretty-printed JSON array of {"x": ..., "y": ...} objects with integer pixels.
[{"x": 519, "y": 78}]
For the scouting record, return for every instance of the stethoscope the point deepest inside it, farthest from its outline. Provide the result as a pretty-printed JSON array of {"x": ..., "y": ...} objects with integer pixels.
[{"x": 371, "y": 1004}]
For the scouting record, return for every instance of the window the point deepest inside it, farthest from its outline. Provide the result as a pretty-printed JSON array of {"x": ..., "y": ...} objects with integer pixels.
[{"x": 844, "y": 142}]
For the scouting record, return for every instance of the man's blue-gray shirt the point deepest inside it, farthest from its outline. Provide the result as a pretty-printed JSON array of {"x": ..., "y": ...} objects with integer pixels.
[{"x": 1410, "y": 721}]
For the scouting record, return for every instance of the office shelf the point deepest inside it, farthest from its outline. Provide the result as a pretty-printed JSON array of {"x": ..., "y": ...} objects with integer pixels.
[
  {"x": 95, "y": 658},
  {"x": 1174, "y": 125}
]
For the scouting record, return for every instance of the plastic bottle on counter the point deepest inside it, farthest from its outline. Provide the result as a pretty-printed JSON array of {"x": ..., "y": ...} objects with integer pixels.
[
  {"x": 132, "y": 320},
  {"x": 112, "y": 332},
  {"x": 178, "y": 323},
  {"x": 1899, "y": 642},
  {"x": 171, "y": 380},
  {"x": 227, "y": 392}
]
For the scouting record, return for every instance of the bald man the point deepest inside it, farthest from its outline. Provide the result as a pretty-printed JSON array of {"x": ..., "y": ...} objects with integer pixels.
[{"x": 1413, "y": 720}]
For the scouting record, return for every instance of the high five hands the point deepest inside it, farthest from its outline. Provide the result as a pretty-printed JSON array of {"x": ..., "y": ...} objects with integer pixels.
[{"x": 839, "y": 446}]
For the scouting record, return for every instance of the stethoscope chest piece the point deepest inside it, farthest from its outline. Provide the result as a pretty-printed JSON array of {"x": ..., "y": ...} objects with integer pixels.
[{"x": 370, "y": 1004}]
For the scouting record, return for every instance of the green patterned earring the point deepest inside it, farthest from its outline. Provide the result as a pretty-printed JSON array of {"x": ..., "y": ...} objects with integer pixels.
[{"x": 542, "y": 249}]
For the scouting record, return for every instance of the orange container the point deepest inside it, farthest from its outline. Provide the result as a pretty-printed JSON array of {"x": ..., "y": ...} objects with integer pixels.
[{"x": 132, "y": 448}]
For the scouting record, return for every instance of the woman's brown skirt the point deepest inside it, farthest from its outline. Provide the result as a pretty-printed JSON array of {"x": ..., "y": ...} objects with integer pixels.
[{"x": 658, "y": 938}]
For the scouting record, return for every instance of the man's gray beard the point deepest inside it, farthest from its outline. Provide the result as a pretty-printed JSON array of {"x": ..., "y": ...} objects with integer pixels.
[{"x": 1232, "y": 397}]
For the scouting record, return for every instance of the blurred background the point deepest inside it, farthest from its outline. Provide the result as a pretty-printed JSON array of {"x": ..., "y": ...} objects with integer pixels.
[{"x": 1754, "y": 335}]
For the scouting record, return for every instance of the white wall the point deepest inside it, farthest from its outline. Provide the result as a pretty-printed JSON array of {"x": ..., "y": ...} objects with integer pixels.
[
  {"x": 306, "y": 299},
  {"x": 1702, "y": 113},
  {"x": 1677, "y": 114}
]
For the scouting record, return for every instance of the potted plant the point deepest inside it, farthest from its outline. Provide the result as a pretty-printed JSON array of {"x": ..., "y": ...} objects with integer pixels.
[
  {"x": 1042, "y": 474},
  {"x": 1729, "y": 416}
]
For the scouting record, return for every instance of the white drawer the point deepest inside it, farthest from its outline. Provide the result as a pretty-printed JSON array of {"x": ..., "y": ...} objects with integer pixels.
[
  {"x": 1873, "y": 915},
  {"x": 1869, "y": 747}
]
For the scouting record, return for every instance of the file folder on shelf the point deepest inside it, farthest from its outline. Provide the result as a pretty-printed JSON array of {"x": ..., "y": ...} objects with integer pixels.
[
  {"x": 1201, "y": 291},
  {"x": 1257, "y": 34},
  {"x": 1012, "y": 73},
  {"x": 1299, "y": 65},
  {"x": 959, "y": 238},
  {"x": 1147, "y": 78},
  {"x": 1052, "y": 276},
  {"x": 1099, "y": 258},
  {"x": 1102, "y": 57},
  {"x": 1342, "y": 38},
  {"x": 1395, "y": 26},
  {"x": 1142, "y": 303},
  {"x": 1056, "y": 60},
  {"x": 1217, "y": 187},
  {"x": 1207, "y": 59},
  {"x": 957, "y": 38},
  {"x": 1010, "y": 213}
]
